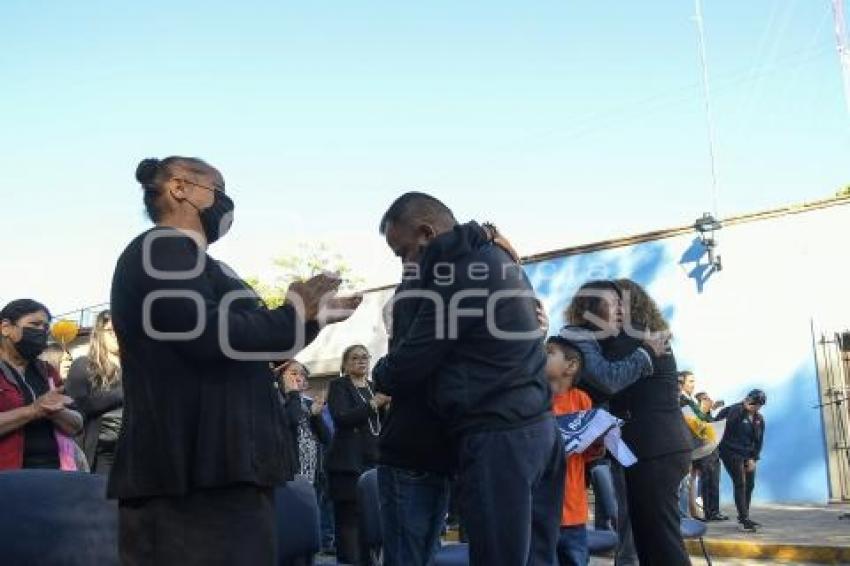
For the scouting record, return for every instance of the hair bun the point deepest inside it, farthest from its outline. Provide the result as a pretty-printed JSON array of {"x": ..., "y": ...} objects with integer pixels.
[{"x": 147, "y": 170}]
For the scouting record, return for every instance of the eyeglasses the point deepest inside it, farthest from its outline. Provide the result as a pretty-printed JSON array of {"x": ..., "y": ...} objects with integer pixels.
[
  {"x": 360, "y": 358},
  {"x": 213, "y": 188}
]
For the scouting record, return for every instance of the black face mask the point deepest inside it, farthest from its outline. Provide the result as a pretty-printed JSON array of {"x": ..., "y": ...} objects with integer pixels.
[
  {"x": 32, "y": 343},
  {"x": 218, "y": 218}
]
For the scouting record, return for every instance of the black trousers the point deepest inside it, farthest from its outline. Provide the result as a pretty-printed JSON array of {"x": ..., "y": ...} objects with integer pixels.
[
  {"x": 709, "y": 483},
  {"x": 625, "y": 554},
  {"x": 743, "y": 482},
  {"x": 511, "y": 494},
  {"x": 350, "y": 547},
  {"x": 652, "y": 488},
  {"x": 214, "y": 527}
]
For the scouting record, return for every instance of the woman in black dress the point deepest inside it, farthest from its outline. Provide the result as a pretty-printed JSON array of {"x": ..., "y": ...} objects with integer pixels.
[{"x": 357, "y": 411}]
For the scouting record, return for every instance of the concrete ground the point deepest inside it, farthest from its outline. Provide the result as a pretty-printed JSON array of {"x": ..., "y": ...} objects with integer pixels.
[{"x": 790, "y": 535}]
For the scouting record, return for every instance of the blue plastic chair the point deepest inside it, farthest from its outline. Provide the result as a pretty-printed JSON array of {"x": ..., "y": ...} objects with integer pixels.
[
  {"x": 368, "y": 505},
  {"x": 55, "y": 517},
  {"x": 453, "y": 554},
  {"x": 693, "y": 529},
  {"x": 297, "y": 511}
]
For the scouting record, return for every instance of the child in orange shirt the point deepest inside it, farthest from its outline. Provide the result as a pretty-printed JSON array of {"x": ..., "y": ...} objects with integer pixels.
[{"x": 562, "y": 365}]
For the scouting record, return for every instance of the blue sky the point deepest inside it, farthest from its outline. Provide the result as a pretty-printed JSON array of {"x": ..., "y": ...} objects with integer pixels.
[{"x": 562, "y": 121}]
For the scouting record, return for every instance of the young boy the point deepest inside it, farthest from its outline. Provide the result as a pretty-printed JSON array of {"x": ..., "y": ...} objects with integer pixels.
[{"x": 562, "y": 365}]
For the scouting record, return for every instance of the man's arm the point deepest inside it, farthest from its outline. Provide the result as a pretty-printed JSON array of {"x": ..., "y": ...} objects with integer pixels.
[{"x": 417, "y": 355}]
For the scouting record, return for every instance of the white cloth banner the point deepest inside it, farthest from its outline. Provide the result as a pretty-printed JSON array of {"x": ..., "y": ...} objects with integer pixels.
[{"x": 581, "y": 429}]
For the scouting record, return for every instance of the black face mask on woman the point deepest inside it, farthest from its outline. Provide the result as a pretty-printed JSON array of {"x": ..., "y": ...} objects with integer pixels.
[
  {"x": 32, "y": 343},
  {"x": 217, "y": 219}
]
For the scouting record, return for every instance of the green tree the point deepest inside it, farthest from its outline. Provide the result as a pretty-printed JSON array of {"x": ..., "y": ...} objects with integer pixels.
[
  {"x": 308, "y": 259},
  {"x": 843, "y": 192}
]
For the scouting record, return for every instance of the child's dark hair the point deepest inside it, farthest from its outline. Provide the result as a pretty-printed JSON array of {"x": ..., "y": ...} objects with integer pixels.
[{"x": 566, "y": 347}]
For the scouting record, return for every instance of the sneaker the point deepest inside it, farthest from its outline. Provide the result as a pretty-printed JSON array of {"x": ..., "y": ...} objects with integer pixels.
[
  {"x": 748, "y": 525},
  {"x": 717, "y": 517},
  {"x": 756, "y": 523}
]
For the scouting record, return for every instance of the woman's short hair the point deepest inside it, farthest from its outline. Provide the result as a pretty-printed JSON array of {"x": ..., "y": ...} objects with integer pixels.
[{"x": 347, "y": 354}]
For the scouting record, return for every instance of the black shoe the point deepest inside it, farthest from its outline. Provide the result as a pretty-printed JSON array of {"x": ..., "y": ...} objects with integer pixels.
[
  {"x": 756, "y": 523},
  {"x": 717, "y": 517},
  {"x": 748, "y": 525}
]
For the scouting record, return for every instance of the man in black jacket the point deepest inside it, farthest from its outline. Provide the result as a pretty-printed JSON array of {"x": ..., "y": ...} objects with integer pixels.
[
  {"x": 416, "y": 459},
  {"x": 740, "y": 449},
  {"x": 203, "y": 441},
  {"x": 474, "y": 343}
]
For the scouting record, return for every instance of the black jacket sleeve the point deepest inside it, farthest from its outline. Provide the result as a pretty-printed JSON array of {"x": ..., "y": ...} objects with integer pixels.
[
  {"x": 180, "y": 297},
  {"x": 89, "y": 402},
  {"x": 430, "y": 337},
  {"x": 78, "y": 386},
  {"x": 293, "y": 409},
  {"x": 320, "y": 429},
  {"x": 347, "y": 410},
  {"x": 608, "y": 377}
]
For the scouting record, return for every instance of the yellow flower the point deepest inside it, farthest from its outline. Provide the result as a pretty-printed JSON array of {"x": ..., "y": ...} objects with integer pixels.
[{"x": 64, "y": 331}]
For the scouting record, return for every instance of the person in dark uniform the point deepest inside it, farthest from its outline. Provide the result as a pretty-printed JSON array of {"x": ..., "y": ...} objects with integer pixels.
[
  {"x": 740, "y": 450},
  {"x": 204, "y": 439}
]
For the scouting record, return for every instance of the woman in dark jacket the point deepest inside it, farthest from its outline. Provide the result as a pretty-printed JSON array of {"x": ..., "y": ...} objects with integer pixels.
[
  {"x": 304, "y": 417},
  {"x": 94, "y": 382},
  {"x": 740, "y": 449},
  {"x": 357, "y": 413},
  {"x": 648, "y": 400},
  {"x": 202, "y": 443}
]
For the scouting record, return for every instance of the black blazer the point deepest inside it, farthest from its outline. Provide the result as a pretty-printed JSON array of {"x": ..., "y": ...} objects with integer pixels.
[
  {"x": 654, "y": 422},
  {"x": 354, "y": 449}
]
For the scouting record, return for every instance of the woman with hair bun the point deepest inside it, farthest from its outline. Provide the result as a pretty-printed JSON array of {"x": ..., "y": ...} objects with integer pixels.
[{"x": 204, "y": 440}]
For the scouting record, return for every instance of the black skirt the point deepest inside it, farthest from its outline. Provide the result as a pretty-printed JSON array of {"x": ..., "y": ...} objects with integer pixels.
[{"x": 215, "y": 527}]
